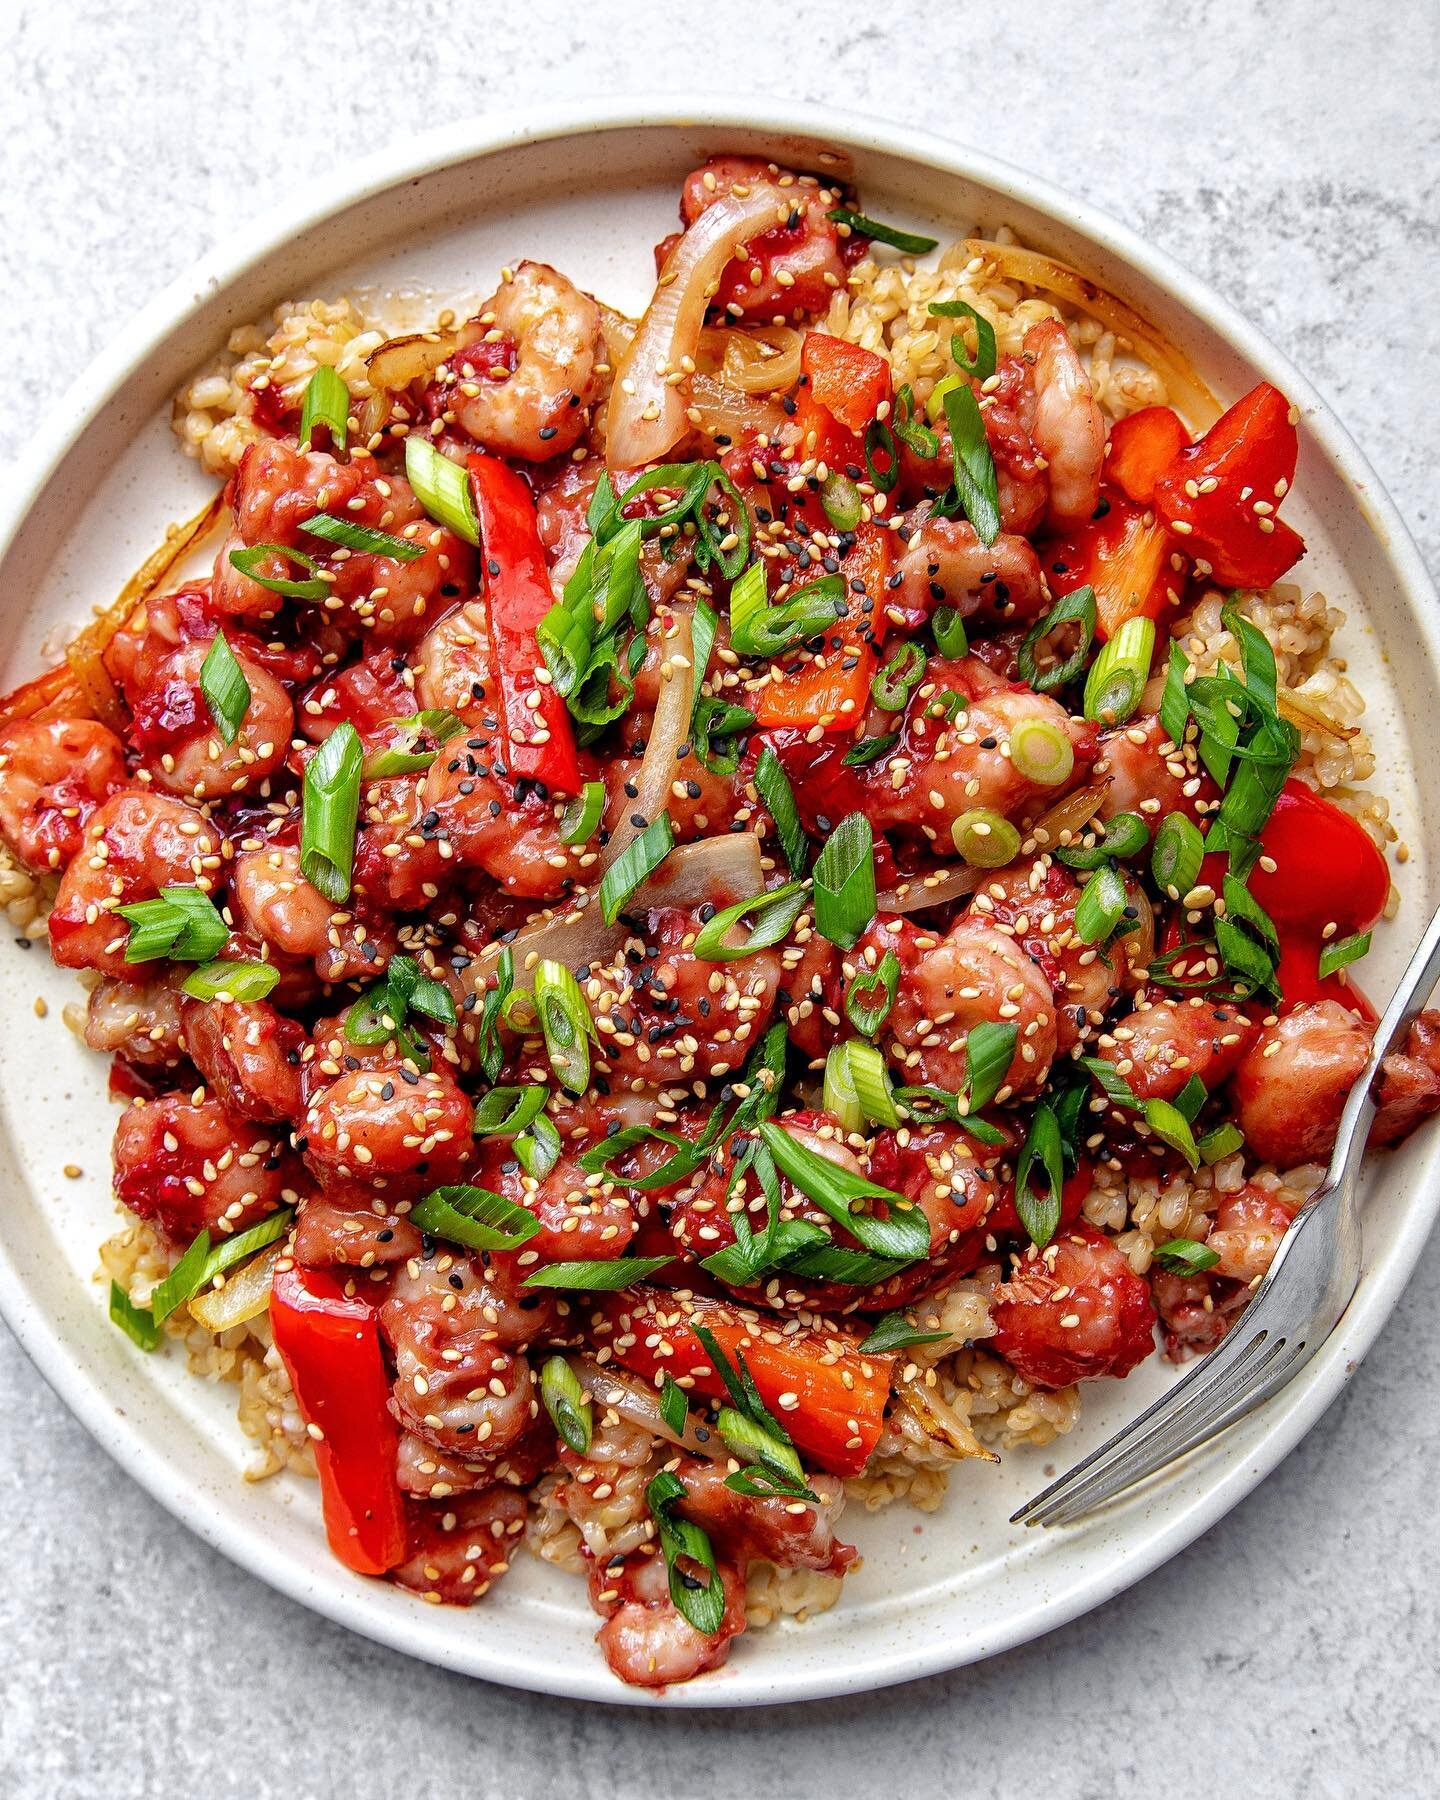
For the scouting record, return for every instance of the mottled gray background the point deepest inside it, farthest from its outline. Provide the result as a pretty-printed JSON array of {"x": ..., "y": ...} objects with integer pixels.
[{"x": 1285, "y": 149}]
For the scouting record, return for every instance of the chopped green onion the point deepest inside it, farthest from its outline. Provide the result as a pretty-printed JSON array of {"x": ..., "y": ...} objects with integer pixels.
[
  {"x": 975, "y": 487},
  {"x": 774, "y": 1465},
  {"x": 565, "y": 1401},
  {"x": 329, "y": 810},
  {"x": 869, "y": 1081},
  {"x": 1179, "y": 851},
  {"x": 1101, "y": 905},
  {"x": 910, "y": 432},
  {"x": 718, "y": 719},
  {"x": 759, "y": 629},
  {"x": 928, "y": 1105},
  {"x": 837, "y": 1095},
  {"x": 1190, "y": 1099},
  {"x": 895, "y": 1332},
  {"x": 985, "y": 838},
  {"x": 870, "y": 749},
  {"x": 935, "y": 405},
  {"x": 596, "y": 1277},
  {"x": 1118, "y": 675},
  {"x": 989, "y": 1051},
  {"x": 841, "y": 499},
  {"x": 1172, "y": 1127},
  {"x": 1223, "y": 1141},
  {"x": 1074, "y": 608},
  {"x": 981, "y": 366},
  {"x": 1175, "y": 702},
  {"x": 1040, "y": 1213},
  {"x": 1042, "y": 752},
  {"x": 770, "y": 916},
  {"x": 474, "y": 1217},
  {"x": 137, "y": 1322},
  {"x": 1126, "y": 834},
  {"x": 1117, "y": 1089},
  {"x": 226, "y": 691},
  {"x": 565, "y": 1023},
  {"x": 487, "y": 1034},
  {"x": 773, "y": 786},
  {"x": 182, "y": 923},
  {"x": 506, "y": 1111},
  {"x": 951, "y": 638},
  {"x": 635, "y": 865},
  {"x": 362, "y": 538},
  {"x": 910, "y": 243},
  {"x": 893, "y": 685},
  {"x": 198, "y": 1268},
  {"x": 182, "y": 1281},
  {"x": 904, "y": 1234},
  {"x": 442, "y": 487},
  {"x": 871, "y": 994},
  {"x": 700, "y": 1603},
  {"x": 674, "y": 1406},
  {"x": 243, "y": 981},
  {"x": 844, "y": 877},
  {"x": 327, "y": 403},
  {"x": 248, "y": 560},
  {"x": 581, "y": 817},
  {"x": 1335, "y": 957},
  {"x": 404, "y": 757},
  {"x": 1183, "y": 1256},
  {"x": 538, "y": 1148}
]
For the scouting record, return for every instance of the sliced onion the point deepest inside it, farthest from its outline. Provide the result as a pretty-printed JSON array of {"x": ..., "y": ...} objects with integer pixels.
[
  {"x": 1068, "y": 816},
  {"x": 668, "y": 731},
  {"x": 1301, "y": 710},
  {"x": 920, "y": 1415},
  {"x": 721, "y": 411},
  {"x": 572, "y": 938},
  {"x": 647, "y": 412},
  {"x": 762, "y": 360},
  {"x": 1187, "y": 391},
  {"x": 934, "y": 888},
  {"x": 416, "y": 356},
  {"x": 634, "y": 1399},
  {"x": 243, "y": 1295},
  {"x": 721, "y": 870},
  {"x": 1138, "y": 946}
]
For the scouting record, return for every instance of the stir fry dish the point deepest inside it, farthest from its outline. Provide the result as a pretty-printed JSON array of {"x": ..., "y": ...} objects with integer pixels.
[{"x": 703, "y": 917}]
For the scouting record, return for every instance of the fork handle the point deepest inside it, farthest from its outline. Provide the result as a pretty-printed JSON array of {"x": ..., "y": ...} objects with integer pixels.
[{"x": 1421, "y": 975}]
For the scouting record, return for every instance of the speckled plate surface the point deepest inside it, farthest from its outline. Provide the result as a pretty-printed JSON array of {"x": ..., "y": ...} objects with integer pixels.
[{"x": 591, "y": 191}]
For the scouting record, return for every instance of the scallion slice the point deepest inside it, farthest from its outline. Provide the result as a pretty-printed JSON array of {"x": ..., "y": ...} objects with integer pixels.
[
  {"x": 1077, "y": 608},
  {"x": 565, "y": 1024},
  {"x": 951, "y": 638},
  {"x": 844, "y": 878},
  {"x": 1190, "y": 1099},
  {"x": 1175, "y": 701},
  {"x": 871, "y": 994},
  {"x": 904, "y": 1234},
  {"x": 330, "y": 808},
  {"x": 226, "y": 691},
  {"x": 841, "y": 500},
  {"x": 474, "y": 1217},
  {"x": 1039, "y": 1212},
  {"x": 976, "y": 488},
  {"x": 506, "y": 1111},
  {"x": 1042, "y": 752},
  {"x": 1118, "y": 675},
  {"x": 362, "y": 538},
  {"x": 870, "y": 750},
  {"x": 327, "y": 403},
  {"x": 182, "y": 923},
  {"x": 182, "y": 1281},
  {"x": 907, "y": 428},
  {"x": 701, "y": 1602},
  {"x": 989, "y": 1051},
  {"x": 892, "y": 686},
  {"x": 204, "y": 1261},
  {"x": 538, "y": 1148},
  {"x": 980, "y": 366},
  {"x": 985, "y": 838},
  {"x": 137, "y": 1322},
  {"x": 773, "y": 786},
  {"x": 869, "y": 1081},
  {"x": 581, "y": 817},
  {"x": 1183, "y": 1256},
  {"x": 565, "y": 1401},
  {"x": 674, "y": 1406},
  {"x": 635, "y": 865},
  {"x": 249, "y": 559},
  {"x": 404, "y": 757},
  {"x": 487, "y": 1033},
  {"x": 759, "y": 629},
  {"x": 442, "y": 487},
  {"x": 1179, "y": 851},
  {"x": 910, "y": 243},
  {"x": 1101, "y": 905},
  {"x": 1124, "y": 834},
  {"x": 837, "y": 1094},
  {"x": 769, "y": 916},
  {"x": 596, "y": 1277},
  {"x": 1172, "y": 1127},
  {"x": 1223, "y": 1141},
  {"x": 1344, "y": 951},
  {"x": 895, "y": 1332},
  {"x": 774, "y": 1466},
  {"x": 241, "y": 981}
]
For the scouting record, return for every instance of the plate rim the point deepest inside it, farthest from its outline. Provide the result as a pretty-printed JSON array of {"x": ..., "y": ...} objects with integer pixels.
[{"x": 1244, "y": 1463}]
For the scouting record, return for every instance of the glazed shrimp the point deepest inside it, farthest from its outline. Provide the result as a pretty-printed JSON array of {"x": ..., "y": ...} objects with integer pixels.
[
  {"x": 185, "y": 751},
  {"x": 280, "y": 906},
  {"x": 1166, "y": 1043},
  {"x": 1145, "y": 773},
  {"x": 1290, "y": 1089},
  {"x": 388, "y": 1127},
  {"x": 527, "y": 388},
  {"x": 453, "y": 666},
  {"x": 249, "y": 1053},
  {"x": 647, "y": 1640},
  {"x": 1068, "y": 429},
  {"x": 54, "y": 773},
  {"x": 187, "y": 1165},
  {"x": 457, "y": 1548},
  {"x": 139, "y": 1020},
  {"x": 945, "y": 564}
]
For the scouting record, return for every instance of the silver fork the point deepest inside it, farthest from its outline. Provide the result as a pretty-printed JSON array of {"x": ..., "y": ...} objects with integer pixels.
[{"x": 1297, "y": 1305}]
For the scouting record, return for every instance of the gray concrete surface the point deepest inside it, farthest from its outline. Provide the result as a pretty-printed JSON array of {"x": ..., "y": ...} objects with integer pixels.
[{"x": 1289, "y": 150}]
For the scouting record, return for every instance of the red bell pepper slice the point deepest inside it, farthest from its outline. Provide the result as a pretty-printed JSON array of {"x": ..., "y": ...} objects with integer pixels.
[
  {"x": 1124, "y": 555},
  {"x": 1220, "y": 494},
  {"x": 828, "y": 1396},
  {"x": 849, "y": 381},
  {"x": 833, "y": 689},
  {"x": 1142, "y": 447},
  {"x": 539, "y": 741},
  {"x": 329, "y": 1341},
  {"x": 1327, "y": 868}
]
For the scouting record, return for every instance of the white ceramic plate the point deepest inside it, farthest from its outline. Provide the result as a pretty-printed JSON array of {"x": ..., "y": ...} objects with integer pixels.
[{"x": 591, "y": 190}]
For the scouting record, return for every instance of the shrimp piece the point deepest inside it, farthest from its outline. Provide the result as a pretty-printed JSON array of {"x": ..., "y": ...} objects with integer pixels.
[
  {"x": 182, "y": 747},
  {"x": 429, "y": 1474},
  {"x": 136, "y": 844},
  {"x": 942, "y": 768},
  {"x": 706, "y": 803},
  {"x": 454, "y": 670},
  {"x": 1291, "y": 1086},
  {"x": 647, "y": 1641},
  {"x": 139, "y": 1020},
  {"x": 1165, "y": 1043},
  {"x": 945, "y": 564},
  {"x": 976, "y": 973},
  {"x": 1249, "y": 1225},
  {"x": 604, "y": 1495},
  {"x": 54, "y": 773},
  {"x": 188, "y": 1166},
  {"x": 937, "y": 1169},
  {"x": 249, "y": 1053},
  {"x": 582, "y": 1216},
  {"x": 1144, "y": 773},
  {"x": 745, "y": 1527},
  {"x": 812, "y": 990},
  {"x": 1068, "y": 429},
  {"x": 526, "y": 389},
  {"x": 455, "y": 1387},
  {"x": 328, "y": 1233},
  {"x": 455, "y": 1550},
  {"x": 1409, "y": 1082},
  {"x": 509, "y": 829},
  {"x": 280, "y": 906},
  {"x": 388, "y": 1127},
  {"x": 1073, "y": 1311},
  {"x": 370, "y": 695}
]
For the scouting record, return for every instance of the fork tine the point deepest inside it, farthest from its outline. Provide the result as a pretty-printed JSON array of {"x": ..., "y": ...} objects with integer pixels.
[{"x": 1191, "y": 1424}]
